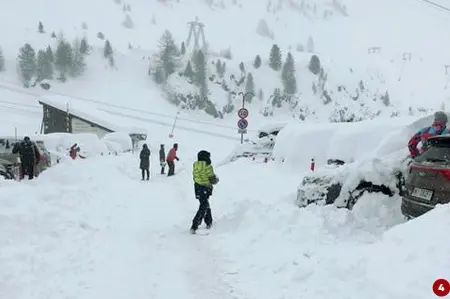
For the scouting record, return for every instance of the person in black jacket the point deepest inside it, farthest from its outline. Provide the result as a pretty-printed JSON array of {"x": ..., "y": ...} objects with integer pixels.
[
  {"x": 162, "y": 158},
  {"x": 145, "y": 161},
  {"x": 28, "y": 156}
]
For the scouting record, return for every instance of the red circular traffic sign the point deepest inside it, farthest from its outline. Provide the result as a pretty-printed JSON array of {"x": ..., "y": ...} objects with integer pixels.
[
  {"x": 441, "y": 287},
  {"x": 242, "y": 113}
]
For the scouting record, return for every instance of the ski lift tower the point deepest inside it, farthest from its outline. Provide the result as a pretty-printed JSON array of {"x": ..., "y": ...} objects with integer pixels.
[{"x": 196, "y": 31}]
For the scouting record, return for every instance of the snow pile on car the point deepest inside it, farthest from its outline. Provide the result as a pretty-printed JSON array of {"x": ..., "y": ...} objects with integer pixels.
[
  {"x": 118, "y": 142},
  {"x": 298, "y": 143},
  {"x": 59, "y": 144}
]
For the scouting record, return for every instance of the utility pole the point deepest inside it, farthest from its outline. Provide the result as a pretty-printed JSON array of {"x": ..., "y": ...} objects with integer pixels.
[{"x": 196, "y": 31}]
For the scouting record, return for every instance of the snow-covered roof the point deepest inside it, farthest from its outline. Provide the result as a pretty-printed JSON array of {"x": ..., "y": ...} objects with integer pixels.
[{"x": 91, "y": 113}]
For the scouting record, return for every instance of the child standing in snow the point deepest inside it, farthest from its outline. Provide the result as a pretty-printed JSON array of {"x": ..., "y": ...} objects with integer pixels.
[
  {"x": 162, "y": 158},
  {"x": 204, "y": 179}
]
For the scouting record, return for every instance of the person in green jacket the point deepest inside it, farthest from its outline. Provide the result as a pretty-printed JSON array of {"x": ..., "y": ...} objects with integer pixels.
[{"x": 204, "y": 179}]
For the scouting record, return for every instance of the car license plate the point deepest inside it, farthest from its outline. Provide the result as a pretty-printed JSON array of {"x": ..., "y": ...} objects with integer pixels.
[{"x": 422, "y": 193}]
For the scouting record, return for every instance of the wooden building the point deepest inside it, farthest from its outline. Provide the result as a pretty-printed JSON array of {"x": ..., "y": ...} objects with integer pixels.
[{"x": 59, "y": 117}]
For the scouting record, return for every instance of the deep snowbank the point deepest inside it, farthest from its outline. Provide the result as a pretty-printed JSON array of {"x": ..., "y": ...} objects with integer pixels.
[
  {"x": 90, "y": 229},
  {"x": 299, "y": 143},
  {"x": 323, "y": 252}
]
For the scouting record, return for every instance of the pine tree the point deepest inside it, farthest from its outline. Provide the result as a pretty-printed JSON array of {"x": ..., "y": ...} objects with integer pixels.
[
  {"x": 107, "y": 50},
  {"x": 78, "y": 65},
  {"x": 84, "y": 46},
  {"x": 314, "y": 65},
  {"x": 218, "y": 66},
  {"x": 277, "y": 99},
  {"x": 41, "y": 27},
  {"x": 188, "y": 72},
  {"x": 2, "y": 61},
  {"x": 386, "y": 100},
  {"x": 27, "y": 64},
  {"x": 257, "y": 62},
  {"x": 63, "y": 59},
  {"x": 48, "y": 68},
  {"x": 260, "y": 95},
  {"x": 200, "y": 77},
  {"x": 159, "y": 76},
  {"x": 49, "y": 53},
  {"x": 242, "y": 67},
  {"x": 224, "y": 69},
  {"x": 40, "y": 65},
  {"x": 275, "y": 58},
  {"x": 288, "y": 75},
  {"x": 183, "y": 48},
  {"x": 168, "y": 57},
  {"x": 250, "y": 87}
]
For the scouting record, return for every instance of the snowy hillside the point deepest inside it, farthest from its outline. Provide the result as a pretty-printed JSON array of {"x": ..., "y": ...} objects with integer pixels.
[{"x": 367, "y": 53}]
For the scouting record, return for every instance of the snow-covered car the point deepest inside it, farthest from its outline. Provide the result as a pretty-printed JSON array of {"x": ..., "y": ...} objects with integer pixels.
[
  {"x": 7, "y": 169},
  {"x": 343, "y": 184},
  {"x": 370, "y": 156},
  {"x": 261, "y": 145}
]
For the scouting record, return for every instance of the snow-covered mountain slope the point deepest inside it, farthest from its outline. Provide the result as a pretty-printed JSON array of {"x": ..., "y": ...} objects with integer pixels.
[{"x": 407, "y": 61}]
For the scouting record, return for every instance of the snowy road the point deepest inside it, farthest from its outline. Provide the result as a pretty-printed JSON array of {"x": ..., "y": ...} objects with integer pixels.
[{"x": 91, "y": 229}]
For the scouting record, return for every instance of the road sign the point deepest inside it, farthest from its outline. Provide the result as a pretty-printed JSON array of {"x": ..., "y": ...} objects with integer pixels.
[
  {"x": 242, "y": 131},
  {"x": 242, "y": 113},
  {"x": 242, "y": 123}
]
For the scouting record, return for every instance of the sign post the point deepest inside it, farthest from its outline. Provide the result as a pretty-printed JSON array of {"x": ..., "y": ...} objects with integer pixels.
[
  {"x": 173, "y": 126},
  {"x": 243, "y": 114}
]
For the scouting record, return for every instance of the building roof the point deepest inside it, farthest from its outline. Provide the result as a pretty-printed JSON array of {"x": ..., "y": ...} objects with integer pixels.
[{"x": 91, "y": 113}]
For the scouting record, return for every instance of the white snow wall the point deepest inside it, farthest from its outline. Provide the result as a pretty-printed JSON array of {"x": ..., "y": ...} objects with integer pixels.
[{"x": 297, "y": 144}]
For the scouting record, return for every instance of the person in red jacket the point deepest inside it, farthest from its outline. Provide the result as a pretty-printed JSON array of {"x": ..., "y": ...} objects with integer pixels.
[
  {"x": 171, "y": 157},
  {"x": 438, "y": 127},
  {"x": 74, "y": 149}
]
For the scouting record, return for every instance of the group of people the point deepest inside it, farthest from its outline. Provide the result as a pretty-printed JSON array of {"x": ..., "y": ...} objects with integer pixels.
[
  {"x": 203, "y": 176},
  {"x": 144, "y": 157}
]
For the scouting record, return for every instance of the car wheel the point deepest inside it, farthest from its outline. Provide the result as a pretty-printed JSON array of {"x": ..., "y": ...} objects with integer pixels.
[
  {"x": 353, "y": 198},
  {"x": 6, "y": 175},
  {"x": 363, "y": 187}
]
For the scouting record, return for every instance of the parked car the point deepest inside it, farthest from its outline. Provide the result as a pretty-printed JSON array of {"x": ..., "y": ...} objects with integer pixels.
[
  {"x": 428, "y": 179},
  {"x": 7, "y": 169},
  {"x": 7, "y": 144},
  {"x": 342, "y": 184},
  {"x": 260, "y": 145}
]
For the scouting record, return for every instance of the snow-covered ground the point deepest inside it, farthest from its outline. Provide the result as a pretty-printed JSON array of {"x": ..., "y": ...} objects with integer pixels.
[{"x": 91, "y": 229}]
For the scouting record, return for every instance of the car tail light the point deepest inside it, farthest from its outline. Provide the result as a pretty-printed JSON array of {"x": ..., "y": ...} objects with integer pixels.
[{"x": 444, "y": 172}]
